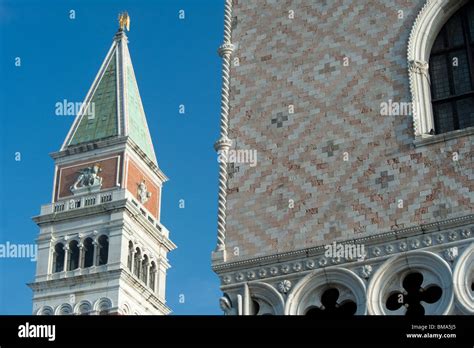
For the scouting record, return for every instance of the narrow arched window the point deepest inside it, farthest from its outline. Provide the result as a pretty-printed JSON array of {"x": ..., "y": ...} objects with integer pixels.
[
  {"x": 152, "y": 282},
  {"x": 103, "y": 243},
  {"x": 84, "y": 308},
  {"x": 88, "y": 252},
  {"x": 137, "y": 260},
  {"x": 104, "y": 306},
  {"x": 130, "y": 255},
  {"x": 58, "y": 265},
  {"x": 452, "y": 73},
  {"x": 144, "y": 272},
  {"x": 73, "y": 255}
]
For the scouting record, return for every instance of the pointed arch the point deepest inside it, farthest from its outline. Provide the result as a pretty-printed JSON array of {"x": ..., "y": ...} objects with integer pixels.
[
  {"x": 428, "y": 23},
  {"x": 311, "y": 287},
  {"x": 267, "y": 294}
]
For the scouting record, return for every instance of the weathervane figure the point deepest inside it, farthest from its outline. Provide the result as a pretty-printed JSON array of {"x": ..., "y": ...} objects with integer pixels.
[{"x": 124, "y": 21}]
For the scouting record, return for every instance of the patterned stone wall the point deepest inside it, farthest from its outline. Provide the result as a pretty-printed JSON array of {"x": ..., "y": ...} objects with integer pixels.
[{"x": 306, "y": 94}]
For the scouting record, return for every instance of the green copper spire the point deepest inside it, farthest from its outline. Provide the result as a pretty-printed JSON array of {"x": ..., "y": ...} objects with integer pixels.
[
  {"x": 101, "y": 120},
  {"x": 137, "y": 127},
  {"x": 113, "y": 107}
]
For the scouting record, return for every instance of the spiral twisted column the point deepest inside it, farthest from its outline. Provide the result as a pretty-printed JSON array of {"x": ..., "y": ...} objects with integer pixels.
[{"x": 223, "y": 145}]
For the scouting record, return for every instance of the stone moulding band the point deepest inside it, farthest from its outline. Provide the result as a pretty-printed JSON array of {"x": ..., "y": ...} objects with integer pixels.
[{"x": 368, "y": 240}]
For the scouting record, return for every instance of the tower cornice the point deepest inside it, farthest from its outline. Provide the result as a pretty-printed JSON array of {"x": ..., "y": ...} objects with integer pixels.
[{"x": 73, "y": 153}]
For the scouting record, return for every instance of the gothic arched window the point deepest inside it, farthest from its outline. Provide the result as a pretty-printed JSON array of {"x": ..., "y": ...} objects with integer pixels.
[
  {"x": 88, "y": 252},
  {"x": 103, "y": 250},
  {"x": 73, "y": 255},
  {"x": 452, "y": 73},
  {"x": 58, "y": 265}
]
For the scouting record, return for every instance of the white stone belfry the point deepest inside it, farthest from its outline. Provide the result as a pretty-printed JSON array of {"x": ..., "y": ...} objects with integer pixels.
[{"x": 102, "y": 248}]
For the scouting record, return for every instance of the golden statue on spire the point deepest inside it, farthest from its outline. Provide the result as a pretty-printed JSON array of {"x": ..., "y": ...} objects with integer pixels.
[{"x": 124, "y": 21}]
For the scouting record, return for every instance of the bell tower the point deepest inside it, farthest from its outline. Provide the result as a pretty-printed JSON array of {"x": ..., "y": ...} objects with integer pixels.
[{"x": 101, "y": 246}]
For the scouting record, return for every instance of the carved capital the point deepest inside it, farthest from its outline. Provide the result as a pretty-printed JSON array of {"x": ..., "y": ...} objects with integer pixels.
[
  {"x": 418, "y": 66},
  {"x": 223, "y": 144},
  {"x": 226, "y": 49}
]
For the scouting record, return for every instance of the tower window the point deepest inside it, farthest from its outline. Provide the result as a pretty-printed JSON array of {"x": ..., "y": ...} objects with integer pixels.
[
  {"x": 103, "y": 250},
  {"x": 152, "y": 276},
  {"x": 130, "y": 255},
  {"x": 74, "y": 255},
  {"x": 84, "y": 308},
  {"x": 88, "y": 253},
  {"x": 65, "y": 309},
  {"x": 452, "y": 73},
  {"x": 104, "y": 306},
  {"x": 46, "y": 310},
  {"x": 144, "y": 272},
  {"x": 137, "y": 265},
  {"x": 58, "y": 258}
]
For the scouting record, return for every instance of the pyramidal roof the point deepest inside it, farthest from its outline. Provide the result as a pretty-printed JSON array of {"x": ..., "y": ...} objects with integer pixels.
[{"x": 113, "y": 107}]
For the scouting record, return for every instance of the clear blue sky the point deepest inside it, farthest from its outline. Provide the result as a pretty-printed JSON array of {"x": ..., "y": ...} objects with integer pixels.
[{"x": 175, "y": 63}]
